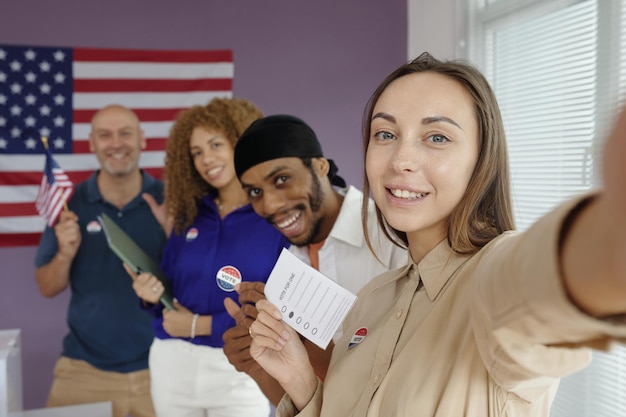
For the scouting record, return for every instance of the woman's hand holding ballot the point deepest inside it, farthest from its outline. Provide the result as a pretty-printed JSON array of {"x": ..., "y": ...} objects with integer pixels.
[{"x": 279, "y": 350}]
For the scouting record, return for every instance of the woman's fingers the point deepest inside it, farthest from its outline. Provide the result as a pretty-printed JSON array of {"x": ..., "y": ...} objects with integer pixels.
[
  {"x": 268, "y": 331},
  {"x": 154, "y": 288},
  {"x": 130, "y": 272},
  {"x": 278, "y": 349},
  {"x": 148, "y": 287},
  {"x": 269, "y": 308}
]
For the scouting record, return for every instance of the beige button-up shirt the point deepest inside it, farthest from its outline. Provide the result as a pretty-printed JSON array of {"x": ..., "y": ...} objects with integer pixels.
[{"x": 477, "y": 336}]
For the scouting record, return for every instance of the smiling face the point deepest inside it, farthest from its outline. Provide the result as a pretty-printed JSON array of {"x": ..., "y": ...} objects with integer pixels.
[
  {"x": 289, "y": 195},
  {"x": 212, "y": 156},
  {"x": 116, "y": 140},
  {"x": 421, "y": 155}
]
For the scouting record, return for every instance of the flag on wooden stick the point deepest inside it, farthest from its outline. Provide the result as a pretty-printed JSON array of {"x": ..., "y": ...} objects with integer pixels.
[
  {"x": 54, "y": 92},
  {"x": 55, "y": 189}
]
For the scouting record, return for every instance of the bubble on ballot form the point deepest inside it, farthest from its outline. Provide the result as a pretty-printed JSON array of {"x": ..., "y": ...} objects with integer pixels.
[{"x": 310, "y": 302}]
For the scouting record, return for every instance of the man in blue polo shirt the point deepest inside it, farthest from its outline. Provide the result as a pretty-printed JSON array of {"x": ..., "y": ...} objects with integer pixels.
[{"x": 105, "y": 353}]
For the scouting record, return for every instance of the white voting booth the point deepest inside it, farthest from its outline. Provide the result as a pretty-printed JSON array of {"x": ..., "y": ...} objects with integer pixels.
[
  {"x": 11, "y": 386},
  {"x": 10, "y": 372}
]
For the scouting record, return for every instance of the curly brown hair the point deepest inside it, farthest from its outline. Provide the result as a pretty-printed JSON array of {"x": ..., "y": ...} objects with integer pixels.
[{"x": 184, "y": 187}]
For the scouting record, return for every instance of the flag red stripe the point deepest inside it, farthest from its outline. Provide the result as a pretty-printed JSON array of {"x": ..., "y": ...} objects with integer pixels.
[
  {"x": 20, "y": 178},
  {"x": 34, "y": 177},
  {"x": 18, "y": 209},
  {"x": 123, "y": 55},
  {"x": 144, "y": 115},
  {"x": 55, "y": 190},
  {"x": 111, "y": 86},
  {"x": 157, "y": 144},
  {"x": 19, "y": 239},
  {"x": 22, "y": 198}
]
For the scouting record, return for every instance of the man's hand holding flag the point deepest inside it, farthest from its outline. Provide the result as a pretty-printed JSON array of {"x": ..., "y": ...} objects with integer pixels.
[{"x": 55, "y": 190}]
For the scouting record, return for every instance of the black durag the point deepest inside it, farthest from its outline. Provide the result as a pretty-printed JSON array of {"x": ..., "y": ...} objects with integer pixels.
[{"x": 279, "y": 136}]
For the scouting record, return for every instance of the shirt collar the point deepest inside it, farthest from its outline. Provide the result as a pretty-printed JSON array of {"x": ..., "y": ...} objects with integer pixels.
[
  {"x": 209, "y": 201},
  {"x": 147, "y": 181},
  {"x": 438, "y": 266},
  {"x": 347, "y": 227},
  {"x": 93, "y": 193}
]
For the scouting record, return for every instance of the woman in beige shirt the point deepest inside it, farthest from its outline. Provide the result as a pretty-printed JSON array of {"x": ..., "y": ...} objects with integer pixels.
[{"x": 483, "y": 321}]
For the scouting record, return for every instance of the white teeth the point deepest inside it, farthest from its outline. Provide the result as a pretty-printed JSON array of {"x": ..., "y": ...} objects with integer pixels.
[
  {"x": 410, "y": 195},
  {"x": 214, "y": 171},
  {"x": 289, "y": 221},
  {"x": 117, "y": 155}
]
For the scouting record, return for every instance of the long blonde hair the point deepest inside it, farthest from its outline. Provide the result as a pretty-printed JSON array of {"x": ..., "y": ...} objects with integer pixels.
[{"x": 485, "y": 211}]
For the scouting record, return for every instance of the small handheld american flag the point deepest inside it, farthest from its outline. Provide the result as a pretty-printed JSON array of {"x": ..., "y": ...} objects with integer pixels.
[{"x": 54, "y": 191}]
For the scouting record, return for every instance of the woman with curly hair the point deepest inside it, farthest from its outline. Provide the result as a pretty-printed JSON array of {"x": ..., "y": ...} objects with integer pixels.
[{"x": 217, "y": 241}]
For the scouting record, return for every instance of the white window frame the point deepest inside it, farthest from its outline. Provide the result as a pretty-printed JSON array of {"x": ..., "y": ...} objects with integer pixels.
[{"x": 600, "y": 389}]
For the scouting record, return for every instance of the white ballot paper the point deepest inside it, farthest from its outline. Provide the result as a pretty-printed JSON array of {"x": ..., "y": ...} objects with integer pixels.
[{"x": 313, "y": 304}]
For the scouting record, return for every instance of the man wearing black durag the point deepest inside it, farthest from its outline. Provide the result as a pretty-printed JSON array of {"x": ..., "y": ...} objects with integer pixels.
[{"x": 289, "y": 182}]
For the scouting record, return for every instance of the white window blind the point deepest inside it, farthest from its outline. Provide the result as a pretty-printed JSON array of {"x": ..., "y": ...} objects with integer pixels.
[{"x": 558, "y": 68}]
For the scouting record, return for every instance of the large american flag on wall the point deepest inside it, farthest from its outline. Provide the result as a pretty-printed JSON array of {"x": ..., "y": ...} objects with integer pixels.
[{"x": 54, "y": 92}]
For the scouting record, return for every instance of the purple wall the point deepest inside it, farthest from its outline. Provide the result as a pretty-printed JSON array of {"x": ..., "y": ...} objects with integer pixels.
[{"x": 319, "y": 60}]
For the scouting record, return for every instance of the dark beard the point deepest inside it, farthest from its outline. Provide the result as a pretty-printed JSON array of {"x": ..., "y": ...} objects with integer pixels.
[{"x": 316, "y": 197}]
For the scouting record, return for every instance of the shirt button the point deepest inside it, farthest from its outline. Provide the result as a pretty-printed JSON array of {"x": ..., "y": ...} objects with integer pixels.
[
  {"x": 119, "y": 214},
  {"x": 376, "y": 378},
  {"x": 398, "y": 314}
]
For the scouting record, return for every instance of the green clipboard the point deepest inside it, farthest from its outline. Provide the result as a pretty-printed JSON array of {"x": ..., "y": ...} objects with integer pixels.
[{"x": 132, "y": 255}]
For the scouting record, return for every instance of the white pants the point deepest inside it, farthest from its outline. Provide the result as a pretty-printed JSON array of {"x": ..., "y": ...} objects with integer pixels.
[{"x": 198, "y": 381}]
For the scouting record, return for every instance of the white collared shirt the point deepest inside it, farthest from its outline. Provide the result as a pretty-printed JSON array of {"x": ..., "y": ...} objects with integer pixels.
[{"x": 345, "y": 257}]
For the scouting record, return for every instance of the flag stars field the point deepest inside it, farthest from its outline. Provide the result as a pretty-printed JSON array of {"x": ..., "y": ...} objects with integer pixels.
[
  {"x": 59, "y": 56},
  {"x": 57, "y": 91},
  {"x": 30, "y": 55}
]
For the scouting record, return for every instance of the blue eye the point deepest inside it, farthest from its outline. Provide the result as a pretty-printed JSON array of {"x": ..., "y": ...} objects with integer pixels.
[
  {"x": 384, "y": 135},
  {"x": 438, "y": 139}
]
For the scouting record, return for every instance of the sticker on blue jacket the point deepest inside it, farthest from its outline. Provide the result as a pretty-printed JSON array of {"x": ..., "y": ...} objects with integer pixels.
[
  {"x": 93, "y": 227},
  {"x": 192, "y": 234},
  {"x": 227, "y": 277}
]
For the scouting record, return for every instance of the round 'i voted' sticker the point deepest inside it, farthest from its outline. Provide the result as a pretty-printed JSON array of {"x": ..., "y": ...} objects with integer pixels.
[
  {"x": 94, "y": 227},
  {"x": 192, "y": 234},
  {"x": 357, "y": 337},
  {"x": 227, "y": 277}
]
